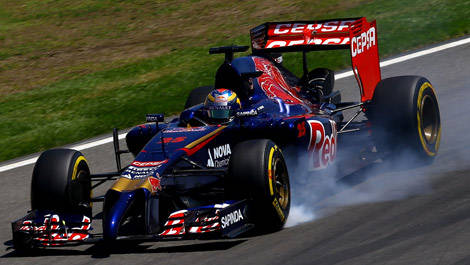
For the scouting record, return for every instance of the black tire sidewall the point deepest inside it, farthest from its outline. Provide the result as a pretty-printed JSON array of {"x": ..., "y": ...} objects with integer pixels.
[
  {"x": 394, "y": 115},
  {"x": 55, "y": 184},
  {"x": 249, "y": 179}
]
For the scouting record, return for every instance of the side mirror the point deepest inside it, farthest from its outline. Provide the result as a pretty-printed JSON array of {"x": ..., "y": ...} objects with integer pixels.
[{"x": 186, "y": 116}]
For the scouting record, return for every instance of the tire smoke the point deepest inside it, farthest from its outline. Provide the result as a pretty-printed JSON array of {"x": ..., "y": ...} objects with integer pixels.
[{"x": 319, "y": 193}]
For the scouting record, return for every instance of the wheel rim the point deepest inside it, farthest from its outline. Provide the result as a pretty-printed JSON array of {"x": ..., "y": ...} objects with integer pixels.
[
  {"x": 430, "y": 119},
  {"x": 79, "y": 190},
  {"x": 281, "y": 183}
]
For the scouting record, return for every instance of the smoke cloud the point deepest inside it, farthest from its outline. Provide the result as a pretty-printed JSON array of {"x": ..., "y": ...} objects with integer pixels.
[{"x": 319, "y": 193}]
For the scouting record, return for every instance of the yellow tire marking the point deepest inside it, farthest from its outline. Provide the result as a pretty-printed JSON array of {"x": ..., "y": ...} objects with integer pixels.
[
  {"x": 75, "y": 167},
  {"x": 270, "y": 172},
  {"x": 420, "y": 131},
  {"x": 74, "y": 173},
  {"x": 438, "y": 141}
]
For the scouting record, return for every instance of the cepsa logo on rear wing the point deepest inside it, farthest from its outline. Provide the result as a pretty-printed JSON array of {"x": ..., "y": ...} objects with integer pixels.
[
  {"x": 355, "y": 34},
  {"x": 292, "y": 34}
]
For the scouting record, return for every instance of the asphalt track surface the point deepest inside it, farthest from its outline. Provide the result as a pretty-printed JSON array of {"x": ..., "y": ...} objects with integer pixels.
[{"x": 390, "y": 214}]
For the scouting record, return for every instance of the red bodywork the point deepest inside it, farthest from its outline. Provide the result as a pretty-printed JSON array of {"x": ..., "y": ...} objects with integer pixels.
[{"x": 273, "y": 83}]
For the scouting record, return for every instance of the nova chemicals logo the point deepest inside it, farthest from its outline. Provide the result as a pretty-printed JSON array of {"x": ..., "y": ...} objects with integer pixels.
[{"x": 219, "y": 157}]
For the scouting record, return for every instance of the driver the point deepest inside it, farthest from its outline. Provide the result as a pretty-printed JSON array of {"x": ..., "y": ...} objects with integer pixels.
[{"x": 221, "y": 105}]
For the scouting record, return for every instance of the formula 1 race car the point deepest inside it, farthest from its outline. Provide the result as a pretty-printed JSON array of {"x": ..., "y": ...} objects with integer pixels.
[{"x": 220, "y": 172}]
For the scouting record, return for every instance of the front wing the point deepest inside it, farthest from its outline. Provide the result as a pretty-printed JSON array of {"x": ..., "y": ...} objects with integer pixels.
[{"x": 46, "y": 228}]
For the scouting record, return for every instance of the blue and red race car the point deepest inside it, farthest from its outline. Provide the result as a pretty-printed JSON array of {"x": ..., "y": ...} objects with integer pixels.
[{"x": 219, "y": 169}]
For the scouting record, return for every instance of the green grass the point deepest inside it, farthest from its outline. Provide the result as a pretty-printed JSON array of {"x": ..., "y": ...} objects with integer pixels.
[{"x": 69, "y": 101}]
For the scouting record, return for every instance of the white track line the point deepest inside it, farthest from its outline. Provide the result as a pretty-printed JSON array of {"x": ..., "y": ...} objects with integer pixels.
[
  {"x": 338, "y": 76},
  {"x": 79, "y": 147}
]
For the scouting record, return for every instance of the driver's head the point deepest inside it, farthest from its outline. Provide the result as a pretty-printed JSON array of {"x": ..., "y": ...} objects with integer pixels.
[{"x": 221, "y": 104}]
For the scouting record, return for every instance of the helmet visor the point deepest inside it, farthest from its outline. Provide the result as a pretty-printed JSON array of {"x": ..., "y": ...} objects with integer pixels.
[{"x": 218, "y": 113}]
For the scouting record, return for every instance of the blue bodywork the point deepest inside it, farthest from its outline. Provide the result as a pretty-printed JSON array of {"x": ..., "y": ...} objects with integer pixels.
[{"x": 270, "y": 111}]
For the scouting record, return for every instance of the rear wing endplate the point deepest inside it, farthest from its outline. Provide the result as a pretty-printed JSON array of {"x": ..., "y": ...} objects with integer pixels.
[{"x": 365, "y": 57}]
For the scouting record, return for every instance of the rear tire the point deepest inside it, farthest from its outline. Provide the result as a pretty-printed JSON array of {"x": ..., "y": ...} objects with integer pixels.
[
  {"x": 258, "y": 172},
  {"x": 405, "y": 116},
  {"x": 61, "y": 182},
  {"x": 197, "y": 96}
]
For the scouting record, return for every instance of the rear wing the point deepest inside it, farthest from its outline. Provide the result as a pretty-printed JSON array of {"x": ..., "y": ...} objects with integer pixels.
[{"x": 355, "y": 34}]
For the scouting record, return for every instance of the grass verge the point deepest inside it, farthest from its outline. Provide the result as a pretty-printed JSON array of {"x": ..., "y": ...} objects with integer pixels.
[{"x": 105, "y": 64}]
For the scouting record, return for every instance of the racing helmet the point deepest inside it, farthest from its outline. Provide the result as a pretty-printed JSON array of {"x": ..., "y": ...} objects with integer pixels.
[{"x": 221, "y": 104}]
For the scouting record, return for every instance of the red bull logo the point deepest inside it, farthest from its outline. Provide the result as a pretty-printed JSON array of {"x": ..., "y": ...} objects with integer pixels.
[
  {"x": 155, "y": 183},
  {"x": 322, "y": 146}
]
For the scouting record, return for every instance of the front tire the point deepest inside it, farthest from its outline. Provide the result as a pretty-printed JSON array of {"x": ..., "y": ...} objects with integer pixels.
[
  {"x": 258, "y": 172},
  {"x": 405, "y": 116},
  {"x": 61, "y": 182}
]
